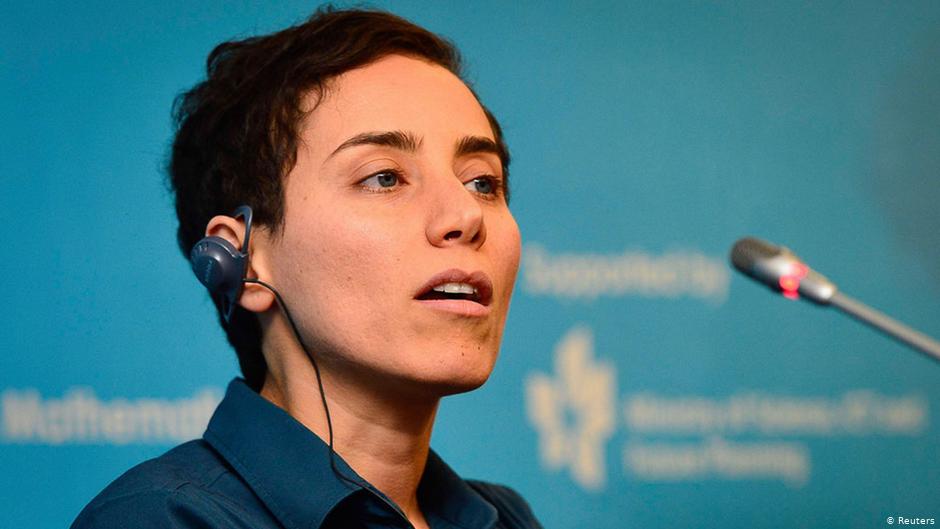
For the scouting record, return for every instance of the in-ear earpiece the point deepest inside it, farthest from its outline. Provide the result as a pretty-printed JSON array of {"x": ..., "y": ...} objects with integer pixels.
[{"x": 220, "y": 266}]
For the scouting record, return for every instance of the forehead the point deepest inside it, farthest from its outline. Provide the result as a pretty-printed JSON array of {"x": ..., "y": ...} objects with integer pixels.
[{"x": 396, "y": 93}]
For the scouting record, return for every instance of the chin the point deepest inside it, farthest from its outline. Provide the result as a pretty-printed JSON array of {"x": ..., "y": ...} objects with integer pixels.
[
  {"x": 464, "y": 385},
  {"x": 460, "y": 379}
]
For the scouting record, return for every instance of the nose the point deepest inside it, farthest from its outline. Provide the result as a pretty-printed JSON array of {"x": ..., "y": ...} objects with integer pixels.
[{"x": 456, "y": 216}]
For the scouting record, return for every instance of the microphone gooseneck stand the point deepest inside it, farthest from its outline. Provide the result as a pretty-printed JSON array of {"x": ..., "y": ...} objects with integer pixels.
[
  {"x": 886, "y": 325},
  {"x": 782, "y": 271}
]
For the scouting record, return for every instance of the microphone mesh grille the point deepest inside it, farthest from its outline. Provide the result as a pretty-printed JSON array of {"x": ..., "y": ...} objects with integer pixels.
[{"x": 748, "y": 250}]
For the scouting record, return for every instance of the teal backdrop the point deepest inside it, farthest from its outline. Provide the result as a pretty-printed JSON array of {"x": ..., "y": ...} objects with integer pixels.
[{"x": 641, "y": 383}]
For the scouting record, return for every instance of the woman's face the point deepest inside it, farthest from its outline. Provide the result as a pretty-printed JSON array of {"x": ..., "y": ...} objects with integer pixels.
[{"x": 397, "y": 189}]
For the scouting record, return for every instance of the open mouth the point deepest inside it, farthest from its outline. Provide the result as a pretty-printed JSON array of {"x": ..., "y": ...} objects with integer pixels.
[
  {"x": 453, "y": 291},
  {"x": 456, "y": 284}
]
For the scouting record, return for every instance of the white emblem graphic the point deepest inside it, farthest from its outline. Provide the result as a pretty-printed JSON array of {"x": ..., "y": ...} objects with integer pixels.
[{"x": 574, "y": 412}]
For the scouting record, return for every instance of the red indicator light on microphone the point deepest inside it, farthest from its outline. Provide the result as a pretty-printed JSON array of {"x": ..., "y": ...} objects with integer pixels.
[
  {"x": 790, "y": 286},
  {"x": 790, "y": 283}
]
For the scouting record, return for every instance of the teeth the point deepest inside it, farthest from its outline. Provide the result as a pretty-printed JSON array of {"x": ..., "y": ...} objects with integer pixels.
[{"x": 455, "y": 288}]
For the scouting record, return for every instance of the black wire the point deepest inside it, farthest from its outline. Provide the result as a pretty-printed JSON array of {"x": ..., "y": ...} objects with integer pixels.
[{"x": 316, "y": 369}]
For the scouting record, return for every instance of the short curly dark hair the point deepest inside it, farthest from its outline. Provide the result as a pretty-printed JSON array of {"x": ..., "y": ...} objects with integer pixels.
[{"x": 237, "y": 131}]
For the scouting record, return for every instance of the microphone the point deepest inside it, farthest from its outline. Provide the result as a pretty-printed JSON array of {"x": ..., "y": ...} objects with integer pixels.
[{"x": 781, "y": 270}]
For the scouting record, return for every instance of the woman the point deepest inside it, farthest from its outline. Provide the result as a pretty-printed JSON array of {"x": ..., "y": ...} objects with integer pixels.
[{"x": 379, "y": 257}]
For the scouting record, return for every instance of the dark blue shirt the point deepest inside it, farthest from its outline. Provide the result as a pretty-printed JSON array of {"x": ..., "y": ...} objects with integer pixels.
[{"x": 257, "y": 467}]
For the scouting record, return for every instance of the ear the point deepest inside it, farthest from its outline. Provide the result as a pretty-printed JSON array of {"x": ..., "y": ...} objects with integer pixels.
[{"x": 254, "y": 297}]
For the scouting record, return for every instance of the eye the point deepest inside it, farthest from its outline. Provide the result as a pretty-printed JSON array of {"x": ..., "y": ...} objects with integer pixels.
[
  {"x": 484, "y": 185},
  {"x": 385, "y": 179}
]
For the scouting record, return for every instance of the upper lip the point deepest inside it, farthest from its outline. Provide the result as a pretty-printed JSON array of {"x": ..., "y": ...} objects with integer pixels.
[{"x": 478, "y": 280}]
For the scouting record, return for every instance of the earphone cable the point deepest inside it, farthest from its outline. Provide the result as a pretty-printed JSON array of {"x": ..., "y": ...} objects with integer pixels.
[{"x": 316, "y": 369}]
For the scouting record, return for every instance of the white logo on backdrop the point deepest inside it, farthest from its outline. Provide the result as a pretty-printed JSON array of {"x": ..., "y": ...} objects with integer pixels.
[
  {"x": 574, "y": 411},
  {"x": 630, "y": 273},
  {"x": 80, "y": 417},
  {"x": 748, "y": 435}
]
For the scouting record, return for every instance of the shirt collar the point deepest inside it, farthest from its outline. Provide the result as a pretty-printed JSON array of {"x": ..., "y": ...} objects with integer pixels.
[
  {"x": 288, "y": 467},
  {"x": 282, "y": 461},
  {"x": 444, "y": 494}
]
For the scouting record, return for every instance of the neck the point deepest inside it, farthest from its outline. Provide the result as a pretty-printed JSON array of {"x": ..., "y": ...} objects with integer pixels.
[{"x": 383, "y": 437}]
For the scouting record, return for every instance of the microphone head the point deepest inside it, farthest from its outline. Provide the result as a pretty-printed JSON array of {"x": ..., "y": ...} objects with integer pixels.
[
  {"x": 749, "y": 250},
  {"x": 781, "y": 270}
]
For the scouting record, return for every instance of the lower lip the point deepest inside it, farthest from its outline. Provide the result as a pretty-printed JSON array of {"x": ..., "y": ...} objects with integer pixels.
[{"x": 459, "y": 307}]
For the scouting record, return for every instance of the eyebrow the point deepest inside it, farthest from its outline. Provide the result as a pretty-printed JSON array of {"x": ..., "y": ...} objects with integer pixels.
[
  {"x": 478, "y": 144},
  {"x": 397, "y": 139},
  {"x": 408, "y": 142}
]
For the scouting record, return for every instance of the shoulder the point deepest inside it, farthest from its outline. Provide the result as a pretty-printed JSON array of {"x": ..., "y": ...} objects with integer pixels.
[
  {"x": 513, "y": 510},
  {"x": 189, "y": 486}
]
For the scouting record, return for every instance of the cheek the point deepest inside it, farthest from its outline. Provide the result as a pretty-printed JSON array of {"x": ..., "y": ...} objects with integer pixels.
[
  {"x": 343, "y": 263},
  {"x": 329, "y": 273},
  {"x": 509, "y": 248}
]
